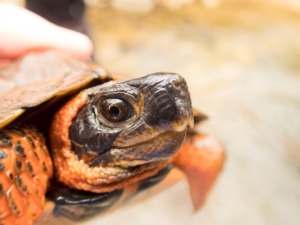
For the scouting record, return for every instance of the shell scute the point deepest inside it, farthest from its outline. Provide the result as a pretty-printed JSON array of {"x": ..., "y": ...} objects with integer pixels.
[{"x": 52, "y": 75}]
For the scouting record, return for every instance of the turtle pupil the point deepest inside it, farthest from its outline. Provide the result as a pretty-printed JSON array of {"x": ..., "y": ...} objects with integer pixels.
[{"x": 114, "y": 111}]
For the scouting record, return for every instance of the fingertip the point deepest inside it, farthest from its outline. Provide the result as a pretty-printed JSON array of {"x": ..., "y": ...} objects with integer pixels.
[
  {"x": 27, "y": 32},
  {"x": 73, "y": 42}
]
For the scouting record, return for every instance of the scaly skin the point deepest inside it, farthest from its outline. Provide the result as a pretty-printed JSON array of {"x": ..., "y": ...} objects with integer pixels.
[{"x": 25, "y": 169}]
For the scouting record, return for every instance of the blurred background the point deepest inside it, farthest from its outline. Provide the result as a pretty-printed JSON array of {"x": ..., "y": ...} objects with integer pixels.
[{"x": 241, "y": 59}]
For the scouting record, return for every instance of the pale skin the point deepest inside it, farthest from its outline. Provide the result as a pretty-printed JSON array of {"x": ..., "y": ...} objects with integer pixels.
[{"x": 22, "y": 31}]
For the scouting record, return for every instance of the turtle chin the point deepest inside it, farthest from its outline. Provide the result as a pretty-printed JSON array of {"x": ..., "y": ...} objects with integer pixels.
[{"x": 148, "y": 153}]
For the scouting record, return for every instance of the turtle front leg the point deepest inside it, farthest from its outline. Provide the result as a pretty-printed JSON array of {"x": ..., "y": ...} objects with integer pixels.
[
  {"x": 200, "y": 158},
  {"x": 25, "y": 168}
]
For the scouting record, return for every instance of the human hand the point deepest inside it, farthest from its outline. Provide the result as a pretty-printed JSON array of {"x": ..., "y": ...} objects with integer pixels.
[{"x": 22, "y": 31}]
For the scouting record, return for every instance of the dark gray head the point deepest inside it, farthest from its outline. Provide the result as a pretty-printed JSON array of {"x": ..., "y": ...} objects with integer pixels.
[{"x": 133, "y": 122}]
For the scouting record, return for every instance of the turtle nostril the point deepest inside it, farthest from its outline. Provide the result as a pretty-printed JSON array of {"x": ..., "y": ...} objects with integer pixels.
[
  {"x": 180, "y": 88},
  {"x": 176, "y": 84}
]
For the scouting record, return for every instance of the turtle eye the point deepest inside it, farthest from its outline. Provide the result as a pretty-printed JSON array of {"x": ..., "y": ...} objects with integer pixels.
[{"x": 114, "y": 110}]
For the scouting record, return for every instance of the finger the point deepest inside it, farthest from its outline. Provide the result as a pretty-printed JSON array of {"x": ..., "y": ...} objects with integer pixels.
[{"x": 22, "y": 31}]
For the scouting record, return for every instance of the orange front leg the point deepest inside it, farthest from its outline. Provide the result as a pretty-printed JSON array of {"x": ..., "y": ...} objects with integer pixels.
[
  {"x": 25, "y": 169},
  {"x": 200, "y": 158}
]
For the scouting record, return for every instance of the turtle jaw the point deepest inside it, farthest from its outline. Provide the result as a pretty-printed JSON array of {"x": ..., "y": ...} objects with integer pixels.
[
  {"x": 181, "y": 125},
  {"x": 157, "y": 149}
]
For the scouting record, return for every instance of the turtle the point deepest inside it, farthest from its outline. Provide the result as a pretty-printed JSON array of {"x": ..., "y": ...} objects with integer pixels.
[{"x": 76, "y": 141}]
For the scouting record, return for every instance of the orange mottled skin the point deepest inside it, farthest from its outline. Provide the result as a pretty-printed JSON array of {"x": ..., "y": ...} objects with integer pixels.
[{"x": 24, "y": 178}]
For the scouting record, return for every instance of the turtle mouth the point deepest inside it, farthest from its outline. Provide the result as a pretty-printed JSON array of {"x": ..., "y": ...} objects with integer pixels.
[
  {"x": 150, "y": 153},
  {"x": 154, "y": 151},
  {"x": 145, "y": 166}
]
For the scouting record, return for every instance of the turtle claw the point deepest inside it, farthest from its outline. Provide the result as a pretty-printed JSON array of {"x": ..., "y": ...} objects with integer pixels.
[
  {"x": 199, "y": 116},
  {"x": 200, "y": 158}
]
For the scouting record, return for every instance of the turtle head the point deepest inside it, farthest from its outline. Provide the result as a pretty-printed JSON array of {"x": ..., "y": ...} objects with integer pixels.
[
  {"x": 120, "y": 132},
  {"x": 133, "y": 122}
]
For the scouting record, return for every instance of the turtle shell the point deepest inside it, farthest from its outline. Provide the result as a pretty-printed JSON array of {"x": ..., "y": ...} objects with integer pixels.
[{"x": 54, "y": 75}]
